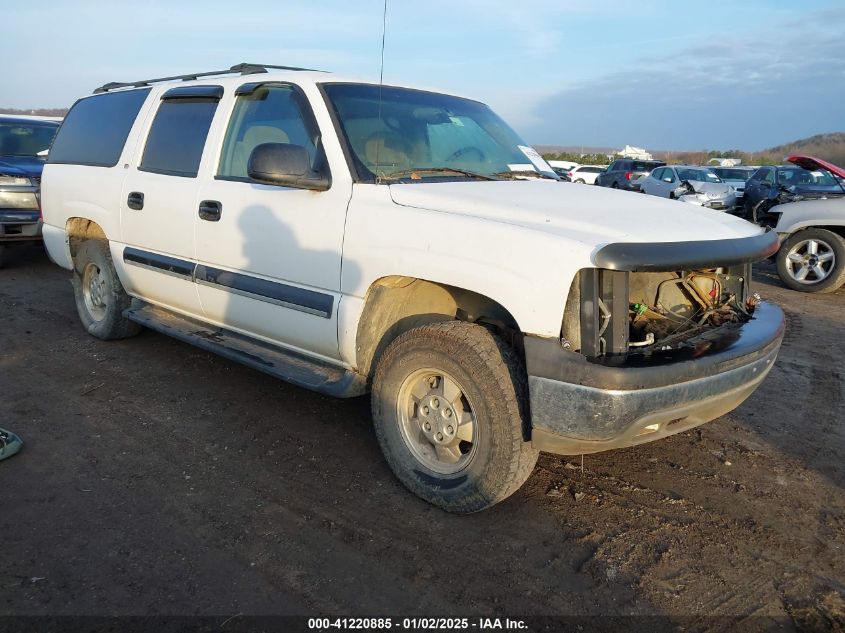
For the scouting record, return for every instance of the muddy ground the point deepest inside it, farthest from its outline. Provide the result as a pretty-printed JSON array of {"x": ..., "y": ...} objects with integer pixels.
[{"x": 160, "y": 479}]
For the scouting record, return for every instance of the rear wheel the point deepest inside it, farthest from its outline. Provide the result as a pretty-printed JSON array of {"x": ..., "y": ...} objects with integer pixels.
[
  {"x": 100, "y": 297},
  {"x": 615, "y": 185},
  {"x": 449, "y": 407},
  {"x": 812, "y": 260}
]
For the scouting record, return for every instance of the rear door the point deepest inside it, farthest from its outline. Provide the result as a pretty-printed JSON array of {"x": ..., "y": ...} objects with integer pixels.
[{"x": 160, "y": 199}]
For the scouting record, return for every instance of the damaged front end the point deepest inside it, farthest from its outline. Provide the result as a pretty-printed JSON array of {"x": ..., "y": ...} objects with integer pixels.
[
  {"x": 628, "y": 315},
  {"x": 657, "y": 339},
  {"x": 705, "y": 194}
]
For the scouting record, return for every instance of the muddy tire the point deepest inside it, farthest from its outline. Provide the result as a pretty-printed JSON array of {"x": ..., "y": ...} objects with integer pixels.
[
  {"x": 449, "y": 404},
  {"x": 100, "y": 297},
  {"x": 812, "y": 260}
]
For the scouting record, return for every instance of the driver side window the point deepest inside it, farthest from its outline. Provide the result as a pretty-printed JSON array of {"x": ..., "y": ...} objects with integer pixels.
[{"x": 269, "y": 114}]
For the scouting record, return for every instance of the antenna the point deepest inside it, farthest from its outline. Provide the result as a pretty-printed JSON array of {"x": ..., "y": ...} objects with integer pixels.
[
  {"x": 381, "y": 77},
  {"x": 383, "y": 33}
]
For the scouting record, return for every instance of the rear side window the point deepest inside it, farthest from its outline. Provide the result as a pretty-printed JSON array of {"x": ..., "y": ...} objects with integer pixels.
[
  {"x": 95, "y": 130},
  {"x": 177, "y": 136},
  {"x": 641, "y": 165}
]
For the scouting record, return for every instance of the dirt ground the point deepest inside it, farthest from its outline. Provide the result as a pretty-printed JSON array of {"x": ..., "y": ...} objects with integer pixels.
[{"x": 160, "y": 479}]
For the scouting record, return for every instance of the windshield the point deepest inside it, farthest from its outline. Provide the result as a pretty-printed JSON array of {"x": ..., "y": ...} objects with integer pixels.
[
  {"x": 789, "y": 176},
  {"x": 646, "y": 165},
  {"x": 698, "y": 175},
  {"x": 398, "y": 133},
  {"x": 24, "y": 138},
  {"x": 733, "y": 174}
]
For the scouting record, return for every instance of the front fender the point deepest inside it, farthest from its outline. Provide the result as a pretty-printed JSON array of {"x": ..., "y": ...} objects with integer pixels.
[
  {"x": 795, "y": 216},
  {"x": 528, "y": 272}
]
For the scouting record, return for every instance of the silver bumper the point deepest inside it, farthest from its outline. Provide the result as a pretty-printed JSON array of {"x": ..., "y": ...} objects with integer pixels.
[
  {"x": 603, "y": 408},
  {"x": 638, "y": 416}
]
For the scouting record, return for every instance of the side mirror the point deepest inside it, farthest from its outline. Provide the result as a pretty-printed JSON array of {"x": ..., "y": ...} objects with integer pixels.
[
  {"x": 669, "y": 180},
  {"x": 286, "y": 165}
]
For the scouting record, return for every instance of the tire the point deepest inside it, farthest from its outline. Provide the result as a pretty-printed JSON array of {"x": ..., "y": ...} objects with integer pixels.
[
  {"x": 747, "y": 211},
  {"x": 615, "y": 185},
  {"x": 580, "y": 181},
  {"x": 100, "y": 297},
  {"x": 812, "y": 260},
  {"x": 459, "y": 371},
  {"x": 2, "y": 255}
]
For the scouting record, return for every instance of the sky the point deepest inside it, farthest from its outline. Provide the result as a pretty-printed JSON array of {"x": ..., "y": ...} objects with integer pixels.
[{"x": 660, "y": 74}]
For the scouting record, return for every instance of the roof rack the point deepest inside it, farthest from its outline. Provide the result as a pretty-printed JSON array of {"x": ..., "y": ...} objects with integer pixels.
[{"x": 242, "y": 69}]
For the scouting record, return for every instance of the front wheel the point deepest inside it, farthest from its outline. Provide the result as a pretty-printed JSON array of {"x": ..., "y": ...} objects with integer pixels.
[
  {"x": 100, "y": 297},
  {"x": 580, "y": 181},
  {"x": 812, "y": 260},
  {"x": 449, "y": 408}
]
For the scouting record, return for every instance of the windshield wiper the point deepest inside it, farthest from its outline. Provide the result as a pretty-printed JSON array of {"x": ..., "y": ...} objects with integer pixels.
[
  {"x": 403, "y": 173},
  {"x": 515, "y": 175}
]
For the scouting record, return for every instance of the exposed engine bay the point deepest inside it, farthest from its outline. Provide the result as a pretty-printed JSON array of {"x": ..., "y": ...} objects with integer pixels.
[
  {"x": 641, "y": 314},
  {"x": 667, "y": 309}
]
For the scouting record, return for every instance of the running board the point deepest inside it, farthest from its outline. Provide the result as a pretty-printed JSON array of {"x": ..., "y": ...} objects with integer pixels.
[{"x": 270, "y": 359}]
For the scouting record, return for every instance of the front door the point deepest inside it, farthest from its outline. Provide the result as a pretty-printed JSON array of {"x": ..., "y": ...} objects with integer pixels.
[{"x": 269, "y": 260}]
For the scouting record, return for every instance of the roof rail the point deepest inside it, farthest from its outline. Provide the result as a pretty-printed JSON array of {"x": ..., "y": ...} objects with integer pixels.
[{"x": 242, "y": 69}]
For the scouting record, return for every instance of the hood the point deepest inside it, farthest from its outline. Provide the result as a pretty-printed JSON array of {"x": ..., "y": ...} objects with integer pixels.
[
  {"x": 815, "y": 164},
  {"x": 815, "y": 190},
  {"x": 717, "y": 188},
  {"x": 21, "y": 165},
  {"x": 591, "y": 215}
]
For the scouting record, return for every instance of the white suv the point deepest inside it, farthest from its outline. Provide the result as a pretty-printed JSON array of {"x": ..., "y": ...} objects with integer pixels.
[
  {"x": 352, "y": 238},
  {"x": 585, "y": 174}
]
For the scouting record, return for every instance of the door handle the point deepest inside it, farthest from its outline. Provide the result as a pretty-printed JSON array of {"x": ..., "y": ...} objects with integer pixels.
[
  {"x": 210, "y": 210},
  {"x": 135, "y": 200}
]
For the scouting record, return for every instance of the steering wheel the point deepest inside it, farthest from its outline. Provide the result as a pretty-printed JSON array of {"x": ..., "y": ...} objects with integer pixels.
[{"x": 466, "y": 150}]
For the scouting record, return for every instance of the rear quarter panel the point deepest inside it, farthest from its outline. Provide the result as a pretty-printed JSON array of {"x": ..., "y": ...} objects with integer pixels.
[{"x": 84, "y": 191}]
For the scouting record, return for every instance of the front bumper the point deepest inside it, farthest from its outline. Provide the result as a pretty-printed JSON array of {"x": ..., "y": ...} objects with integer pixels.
[
  {"x": 19, "y": 225},
  {"x": 579, "y": 407}
]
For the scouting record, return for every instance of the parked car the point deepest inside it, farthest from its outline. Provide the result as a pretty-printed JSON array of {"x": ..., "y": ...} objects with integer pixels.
[
  {"x": 562, "y": 173},
  {"x": 736, "y": 177},
  {"x": 585, "y": 174},
  {"x": 625, "y": 173},
  {"x": 354, "y": 238},
  {"x": 811, "y": 257},
  {"x": 697, "y": 185},
  {"x": 771, "y": 185},
  {"x": 23, "y": 143}
]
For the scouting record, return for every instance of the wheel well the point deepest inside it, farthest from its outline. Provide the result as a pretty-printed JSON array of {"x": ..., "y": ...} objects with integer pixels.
[
  {"x": 839, "y": 230},
  {"x": 397, "y": 304},
  {"x": 81, "y": 229}
]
